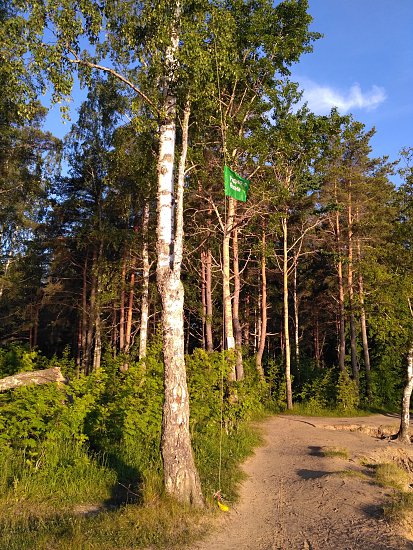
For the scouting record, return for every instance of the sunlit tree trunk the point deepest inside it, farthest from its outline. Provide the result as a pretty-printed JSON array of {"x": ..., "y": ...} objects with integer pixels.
[
  {"x": 287, "y": 351},
  {"x": 239, "y": 368},
  {"x": 404, "y": 435},
  {"x": 341, "y": 311},
  {"x": 122, "y": 304},
  {"x": 246, "y": 326},
  {"x": 353, "y": 337},
  {"x": 226, "y": 289},
  {"x": 144, "y": 325},
  {"x": 180, "y": 475},
  {"x": 208, "y": 296},
  {"x": 263, "y": 330},
  {"x": 96, "y": 311},
  {"x": 296, "y": 317},
  {"x": 363, "y": 323}
]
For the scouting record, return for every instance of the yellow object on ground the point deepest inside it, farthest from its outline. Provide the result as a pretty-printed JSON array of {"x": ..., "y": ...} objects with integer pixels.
[{"x": 223, "y": 507}]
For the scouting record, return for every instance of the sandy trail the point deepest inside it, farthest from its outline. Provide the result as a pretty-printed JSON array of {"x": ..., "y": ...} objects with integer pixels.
[{"x": 296, "y": 499}]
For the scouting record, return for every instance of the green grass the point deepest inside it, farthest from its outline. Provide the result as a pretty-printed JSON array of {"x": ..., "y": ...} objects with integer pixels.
[
  {"x": 390, "y": 475},
  {"x": 335, "y": 452},
  {"x": 37, "y": 505},
  {"x": 399, "y": 508},
  {"x": 313, "y": 409}
]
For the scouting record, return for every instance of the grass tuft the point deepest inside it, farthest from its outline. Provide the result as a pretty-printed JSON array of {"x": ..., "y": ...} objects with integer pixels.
[{"x": 335, "y": 452}]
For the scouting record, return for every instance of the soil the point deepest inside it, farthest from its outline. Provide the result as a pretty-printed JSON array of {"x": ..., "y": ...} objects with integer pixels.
[{"x": 297, "y": 498}]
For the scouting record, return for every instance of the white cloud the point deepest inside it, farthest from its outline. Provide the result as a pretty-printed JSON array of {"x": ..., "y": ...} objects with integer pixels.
[{"x": 321, "y": 99}]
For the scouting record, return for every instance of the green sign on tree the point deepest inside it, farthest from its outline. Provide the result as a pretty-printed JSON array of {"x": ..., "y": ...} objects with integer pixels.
[{"x": 235, "y": 185}]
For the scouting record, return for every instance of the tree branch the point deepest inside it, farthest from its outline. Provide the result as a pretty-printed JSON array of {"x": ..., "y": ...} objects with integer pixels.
[{"x": 117, "y": 75}]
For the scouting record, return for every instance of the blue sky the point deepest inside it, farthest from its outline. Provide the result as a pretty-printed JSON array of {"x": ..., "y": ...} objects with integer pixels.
[{"x": 364, "y": 66}]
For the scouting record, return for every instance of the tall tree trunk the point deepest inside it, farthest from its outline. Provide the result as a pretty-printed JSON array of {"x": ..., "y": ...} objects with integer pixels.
[
  {"x": 180, "y": 475},
  {"x": 226, "y": 289},
  {"x": 246, "y": 327},
  {"x": 208, "y": 296},
  {"x": 403, "y": 434},
  {"x": 316, "y": 336},
  {"x": 144, "y": 325},
  {"x": 239, "y": 367},
  {"x": 8, "y": 261},
  {"x": 84, "y": 310},
  {"x": 114, "y": 335},
  {"x": 341, "y": 311},
  {"x": 363, "y": 323},
  {"x": 284, "y": 226},
  {"x": 97, "y": 350},
  {"x": 296, "y": 318},
  {"x": 131, "y": 296},
  {"x": 91, "y": 314},
  {"x": 122, "y": 303},
  {"x": 263, "y": 331},
  {"x": 79, "y": 346},
  {"x": 353, "y": 337},
  {"x": 203, "y": 297}
]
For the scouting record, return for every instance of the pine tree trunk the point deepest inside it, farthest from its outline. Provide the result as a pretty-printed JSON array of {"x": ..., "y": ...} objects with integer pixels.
[
  {"x": 287, "y": 344},
  {"x": 180, "y": 475},
  {"x": 97, "y": 350},
  {"x": 203, "y": 297},
  {"x": 228, "y": 328},
  {"x": 316, "y": 334},
  {"x": 363, "y": 323},
  {"x": 239, "y": 367},
  {"x": 208, "y": 296},
  {"x": 114, "y": 334},
  {"x": 353, "y": 337},
  {"x": 122, "y": 304},
  {"x": 263, "y": 329},
  {"x": 84, "y": 317},
  {"x": 131, "y": 299},
  {"x": 296, "y": 319},
  {"x": 144, "y": 326},
  {"x": 246, "y": 327},
  {"x": 91, "y": 314},
  {"x": 341, "y": 311}
]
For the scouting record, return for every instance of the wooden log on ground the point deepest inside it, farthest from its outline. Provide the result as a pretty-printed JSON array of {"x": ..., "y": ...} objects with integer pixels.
[{"x": 28, "y": 378}]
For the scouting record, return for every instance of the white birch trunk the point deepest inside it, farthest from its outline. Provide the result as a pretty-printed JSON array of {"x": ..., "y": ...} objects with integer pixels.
[
  {"x": 180, "y": 475},
  {"x": 143, "y": 335},
  {"x": 403, "y": 434}
]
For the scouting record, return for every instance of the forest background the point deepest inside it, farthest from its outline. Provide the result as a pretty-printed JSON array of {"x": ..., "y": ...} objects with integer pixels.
[{"x": 298, "y": 297}]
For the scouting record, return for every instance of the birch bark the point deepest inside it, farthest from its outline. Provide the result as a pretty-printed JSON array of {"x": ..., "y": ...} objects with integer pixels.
[
  {"x": 143, "y": 340},
  {"x": 180, "y": 475}
]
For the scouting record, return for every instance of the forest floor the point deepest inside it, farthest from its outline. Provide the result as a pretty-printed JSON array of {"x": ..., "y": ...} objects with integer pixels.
[{"x": 310, "y": 487}]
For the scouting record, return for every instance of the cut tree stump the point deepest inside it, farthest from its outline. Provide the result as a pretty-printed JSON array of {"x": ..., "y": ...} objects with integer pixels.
[{"x": 35, "y": 377}]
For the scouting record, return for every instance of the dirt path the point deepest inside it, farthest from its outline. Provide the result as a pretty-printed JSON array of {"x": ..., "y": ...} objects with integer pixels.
[{"x": 296, "y": 499}]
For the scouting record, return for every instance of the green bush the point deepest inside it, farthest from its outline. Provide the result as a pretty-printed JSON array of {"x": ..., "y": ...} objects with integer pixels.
[{"x": 347, "y": 393}]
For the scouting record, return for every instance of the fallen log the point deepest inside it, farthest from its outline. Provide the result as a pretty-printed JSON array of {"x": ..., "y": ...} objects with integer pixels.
[{"x": 28, "y": 378}]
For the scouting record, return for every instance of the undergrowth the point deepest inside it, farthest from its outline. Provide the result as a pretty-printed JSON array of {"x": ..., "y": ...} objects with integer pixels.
[{"x": 97, "y": 440}]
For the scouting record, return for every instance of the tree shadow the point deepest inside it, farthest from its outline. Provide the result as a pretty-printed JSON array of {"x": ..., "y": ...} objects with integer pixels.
[
  {"x": 128, "y": 488},
  {"x": 312, "y": 474},
  {"x": 316, "y": 451}
]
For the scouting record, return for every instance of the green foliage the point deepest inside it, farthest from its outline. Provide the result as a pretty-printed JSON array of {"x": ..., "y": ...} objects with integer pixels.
[
  {"x": 18, "y": 358},
  {"x": 98, "y": 439},
  {"x": 347, "y": 393},
  {"x": 319, "y": 392}
]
